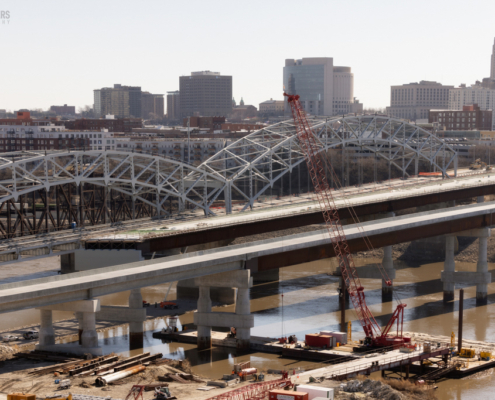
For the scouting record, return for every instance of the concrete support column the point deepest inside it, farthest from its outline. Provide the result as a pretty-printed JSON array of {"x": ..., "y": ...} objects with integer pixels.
[
  {"x": 204, "y": 306},
  {"x": 47, "y": 333},
  {"x": 243, "y": 307},
  {"x": 482, "y": 267},
  {"x": 136, "y": 329},
  {"x": 388, "y": 265},
  {"x": 79, "y": 316},
  {"x": 449, "y": 266},
  {"x": 89, "y": 336},
  {"x": 227, "y": 192},
  {"x": 68, "y": 263},
  {"x": 480, "y": 199},
  {"x": 343, "y": 289}
]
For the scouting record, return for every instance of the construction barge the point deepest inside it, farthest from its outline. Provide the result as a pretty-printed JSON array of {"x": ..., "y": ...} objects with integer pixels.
[{"x": 434, "y": 362}]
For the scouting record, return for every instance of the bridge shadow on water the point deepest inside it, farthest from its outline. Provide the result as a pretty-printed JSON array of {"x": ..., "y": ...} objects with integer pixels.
[{"x": 330, "y": 304}]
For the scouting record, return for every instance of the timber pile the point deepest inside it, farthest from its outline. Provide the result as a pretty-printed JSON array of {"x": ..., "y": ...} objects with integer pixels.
[
  {"x": 47, "y": 356},
  {"x": 65, "y": 367},
  {"x": 180, "y": 378}
]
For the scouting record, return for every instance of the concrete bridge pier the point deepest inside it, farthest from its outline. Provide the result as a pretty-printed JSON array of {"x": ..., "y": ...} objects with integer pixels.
[
  {"x": 47, "y": 333},
  {"x": 204, "y": 306},
  {"x": 89, "y": 337},
  {"x": 88, "y": 340},
  {"x": 449, "y": 266},
  {"x": 136, "y": 329},
  {"x": 482, "y": 270},
  {"x": 481, "y": 278},
  {"x": 85, "y": 260},
  {"x": 242, "y": 319},
  {"x": 67, "y": 263},
  {"x": 79, "y": 317},
  {"x": 243, "y": 307},
  {"x": 388, "y": 265}
]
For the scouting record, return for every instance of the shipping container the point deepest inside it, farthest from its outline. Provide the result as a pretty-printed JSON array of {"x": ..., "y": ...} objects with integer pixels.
[
  {"x": 340, "y": 337},
  {"x": 316, "y": 392},
  {"x": 277, "y": 394},
  {"x": 316, "y": 340}
]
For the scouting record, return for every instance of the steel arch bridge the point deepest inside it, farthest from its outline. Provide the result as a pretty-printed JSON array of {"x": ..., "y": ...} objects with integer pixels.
[
  {"x": 251, "y": 165},
  {"x": 41, "y": 192}
]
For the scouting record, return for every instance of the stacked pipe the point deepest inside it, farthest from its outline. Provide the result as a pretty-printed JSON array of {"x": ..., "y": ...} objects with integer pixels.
[{"x": 105, "y": 380}]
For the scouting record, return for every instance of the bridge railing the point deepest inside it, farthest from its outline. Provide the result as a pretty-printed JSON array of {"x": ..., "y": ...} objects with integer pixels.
[{"x": 381, "y": 362}]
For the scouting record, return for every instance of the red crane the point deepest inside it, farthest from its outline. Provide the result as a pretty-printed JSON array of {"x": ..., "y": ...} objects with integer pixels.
[{"x": 315, "y": 162}]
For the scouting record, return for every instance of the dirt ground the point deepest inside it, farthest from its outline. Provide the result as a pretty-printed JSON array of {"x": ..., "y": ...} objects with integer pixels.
[{"x": 15, "y": 377}]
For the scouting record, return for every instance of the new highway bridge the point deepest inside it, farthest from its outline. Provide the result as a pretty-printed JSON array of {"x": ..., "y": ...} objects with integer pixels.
[
  {"x": 194, "y": 228},
  {"x": 256, "y": 256},
  {"x": 56, "y": 203}
]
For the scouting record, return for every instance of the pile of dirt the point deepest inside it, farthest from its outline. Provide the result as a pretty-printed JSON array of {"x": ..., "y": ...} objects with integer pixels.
[
  {"x": 6, "y": 353},
  {"x": 373, "y": 389},
  {"x": 389, "y": 390}
]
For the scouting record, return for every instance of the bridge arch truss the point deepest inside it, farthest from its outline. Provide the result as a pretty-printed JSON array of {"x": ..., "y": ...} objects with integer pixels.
[
  {"x": 252, "y": 165},
  {"x": 41, "y": 192}
]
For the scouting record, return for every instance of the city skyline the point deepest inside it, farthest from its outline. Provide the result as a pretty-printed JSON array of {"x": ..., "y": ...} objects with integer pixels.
[{"x": 70, "y": 57}]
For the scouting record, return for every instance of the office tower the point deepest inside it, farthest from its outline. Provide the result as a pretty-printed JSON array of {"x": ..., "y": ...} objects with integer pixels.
[
  {"x": 414, "y": 100},
  {"x": 324, "y": 89},
  {"x": 121, "y": 101},
  {"x": 205, "y": 93}
]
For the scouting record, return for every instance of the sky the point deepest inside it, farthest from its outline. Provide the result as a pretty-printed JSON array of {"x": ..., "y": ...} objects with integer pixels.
[{"x": 58, "y": 52}]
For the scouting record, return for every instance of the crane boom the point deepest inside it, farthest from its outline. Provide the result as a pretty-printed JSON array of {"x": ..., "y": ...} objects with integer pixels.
[{"x": 315, "y": 163}]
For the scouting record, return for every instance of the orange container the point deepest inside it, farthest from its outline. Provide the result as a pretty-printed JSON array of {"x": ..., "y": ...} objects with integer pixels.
[{"x": 316, "y": 340}]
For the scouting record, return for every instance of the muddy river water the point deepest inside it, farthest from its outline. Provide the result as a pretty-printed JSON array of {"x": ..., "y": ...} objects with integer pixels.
[{"x": 310, "y": 304}]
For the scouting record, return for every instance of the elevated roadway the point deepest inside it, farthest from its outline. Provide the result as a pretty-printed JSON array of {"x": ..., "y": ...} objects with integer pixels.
[
  {"x": 257, "y": 256},
  {"x": 193, "y": 228}
]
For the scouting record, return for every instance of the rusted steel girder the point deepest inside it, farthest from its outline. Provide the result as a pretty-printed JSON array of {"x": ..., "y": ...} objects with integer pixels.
[
  {"x": 300, "y": 256},
  {"x": 44, "y": 211},
  {"x": 271, "y": 225}
]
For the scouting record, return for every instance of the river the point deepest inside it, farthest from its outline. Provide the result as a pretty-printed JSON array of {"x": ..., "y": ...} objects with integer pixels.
[{"x": 310, "y": 304}]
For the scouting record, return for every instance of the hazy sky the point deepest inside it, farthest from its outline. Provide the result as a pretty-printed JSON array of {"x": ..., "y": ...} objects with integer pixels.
[{"x": 56, "y": 52}]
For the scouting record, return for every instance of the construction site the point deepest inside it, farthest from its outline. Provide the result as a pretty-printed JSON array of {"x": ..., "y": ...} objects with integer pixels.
[{"x": 380, "y": 354}]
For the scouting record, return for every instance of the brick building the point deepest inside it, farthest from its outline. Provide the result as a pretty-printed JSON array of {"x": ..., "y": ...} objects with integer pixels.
[
  {"x": 236, "y": 127},
  {"x": 39, "y": 137},
  {"x": 471, "y": 117},
  {"x": 64, "y": 110},
  {"x": 97, "y": 124},
  {"x": 211, "y": 123}
]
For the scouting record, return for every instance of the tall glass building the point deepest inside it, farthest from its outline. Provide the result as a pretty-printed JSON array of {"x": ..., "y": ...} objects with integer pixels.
[{"x": 323, "y": 88}]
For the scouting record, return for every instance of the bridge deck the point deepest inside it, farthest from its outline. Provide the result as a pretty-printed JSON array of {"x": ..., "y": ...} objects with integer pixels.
[
  {"x": 83, "y": 285},
  {"x": 192, "y": 228}
]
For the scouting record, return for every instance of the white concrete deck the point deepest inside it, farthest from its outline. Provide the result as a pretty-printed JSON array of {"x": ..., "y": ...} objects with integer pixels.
[{"x": 89, "y": 284}]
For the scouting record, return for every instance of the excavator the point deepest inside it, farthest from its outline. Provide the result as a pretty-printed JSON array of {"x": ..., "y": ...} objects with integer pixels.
[{"x": 478, "y": 164}]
